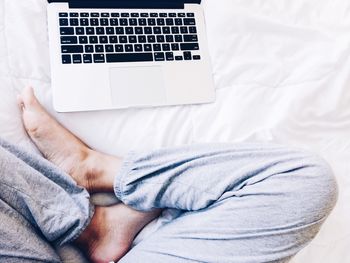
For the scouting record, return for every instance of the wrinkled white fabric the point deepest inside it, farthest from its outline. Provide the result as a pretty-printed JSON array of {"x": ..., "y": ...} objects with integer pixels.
[{"x": 282, "y": 73}]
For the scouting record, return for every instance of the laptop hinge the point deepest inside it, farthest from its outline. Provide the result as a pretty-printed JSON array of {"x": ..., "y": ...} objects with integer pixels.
[{"x": 129, "y": 4}]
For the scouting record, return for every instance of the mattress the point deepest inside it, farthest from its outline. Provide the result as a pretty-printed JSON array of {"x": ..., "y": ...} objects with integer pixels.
[{"x": 282, "y": 74}]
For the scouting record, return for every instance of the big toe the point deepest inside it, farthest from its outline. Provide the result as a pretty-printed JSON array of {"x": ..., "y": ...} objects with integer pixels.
[{"x": 28, "y": 99}]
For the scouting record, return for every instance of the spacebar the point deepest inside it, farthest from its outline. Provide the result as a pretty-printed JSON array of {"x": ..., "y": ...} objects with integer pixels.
[{"x": 132, "y": 57}]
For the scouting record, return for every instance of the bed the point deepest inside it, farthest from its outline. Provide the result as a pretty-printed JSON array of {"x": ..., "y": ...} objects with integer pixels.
[{"x": 282, "y": 74}]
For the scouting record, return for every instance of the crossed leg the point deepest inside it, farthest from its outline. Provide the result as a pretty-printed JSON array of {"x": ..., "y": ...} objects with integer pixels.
[
  {"x": 242, "y": 203},
  {"x": 102, "y": 241}
]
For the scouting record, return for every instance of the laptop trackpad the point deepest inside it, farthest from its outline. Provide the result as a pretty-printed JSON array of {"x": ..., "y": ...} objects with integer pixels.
[{"x": 137, "y": 86}]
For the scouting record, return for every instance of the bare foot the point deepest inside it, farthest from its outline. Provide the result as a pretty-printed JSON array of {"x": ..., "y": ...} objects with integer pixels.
[
  {"x": 112, "y": 231},
  {"x": 91, "y": 170}
]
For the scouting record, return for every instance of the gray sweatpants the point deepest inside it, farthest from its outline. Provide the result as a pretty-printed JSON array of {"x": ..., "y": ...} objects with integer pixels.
[{"x": 237, "y": 203}]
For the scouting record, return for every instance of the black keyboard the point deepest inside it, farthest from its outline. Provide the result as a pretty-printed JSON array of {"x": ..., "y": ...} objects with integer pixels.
[{"x": 128, "y": 37}]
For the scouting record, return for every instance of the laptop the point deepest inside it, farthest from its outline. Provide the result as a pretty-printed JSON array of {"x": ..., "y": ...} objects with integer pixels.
[{"x": 116, "y": 54}]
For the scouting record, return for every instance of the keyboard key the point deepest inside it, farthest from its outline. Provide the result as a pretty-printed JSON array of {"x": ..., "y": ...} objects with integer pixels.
[
  {"x": 157, "y": 30},
  {"x": 132, "y": 39},
  {"x": 133, "y": 22},
  {"x": 119, "y": 30},
  {"x": 100, "y": 31},
  {"x": 94, "y": 22},
  {"x": 159, "y": 56},
  {"x": 196, "y": 57},
  {"x": 178, "y": 22},
  {"x": 144, "y": 15},
  {"x": 95, "y": 15},
  {"x": 93, "y": 40},
  {"x": 151, "y": 21},
  {"x": 84, "y": 22},
  {"x": 84, "y": 14},
  {"x": 135, "y": 15},
  {"x": 72, "y": 49},
  {"x": 178, "y": 58},
  {"x": 77, "y": 59},
  {"x": 178, "y": 38},
  {"x": 189, "y": 21},
  {"x": 79, "y": 31},
  {"x": 169, "y": 22},
  {"x": 125, "y": 15},
  {"x": 113, "y": 39},
  {"x": 148, "y": 30},
  {"x": 63, "y": 22},
  {"x": 67, "y": 30},
  {"x": 103, "y": 39},
  {"x": 119, "y": 48},
  {"x": 104, "y": 22},
  {"x": 172, "y": 15},
  {"x": 109, "y": 48},
  {"x": 114, "y": 22},
  {"x": 69, "y": 40},
  {"x": 138, "y": 48},
  {"x": 181, "y": 15},
  {"x": 166, "y": 47},
  {"x": 190, "y": 38},
  {"x": 189, "y": 46},
  {"x": 175, "y": 47},
  {"x": 131, "y": 57},
  {"x": 187, "y": 55},
  {"x": 169, "y": 38},
  {"x": 160, "y": 39},
  {"x": 63, "y": 14},
  {"x": 99, "y": 49},
  {"x": 192, "y": 30},
  {"x": 147, "y": 47},
  {"x": 105, "y": 15},
  {"x": 166, "y": 30},
  {"x": 190, "y": 14},
  {"x": 163, "y": 15},
  {"x": 154, "y": 15},
  {"x": 99, "y": 58},
  {"x": 151, "y": 39},
  {"x": 115, "y": 15},
  {"x": 157, "y": 47},
  {"x": 90, "y": 31},
  {"x": 160, "y": 22},
  {"x": 110, "y": 30},
  {"x": 66, "y": 59},
  {"x": 83, "y": 40},
  {"x": 129, "y": 30},
  {"x": 138, "y": 30},
  {"x": 89, "y": 49},
  {"x": 142, "y": 39},
  {"x": 74, "y": 15},
  {"x": 142, "y": 22},
  {"x": 123, "y": 22},
  {"x": 87, "y": 58},
  {"x": 74, "y": 22},
  {"x": 169, "y": 56},
  {"x": 184, "y": 30},
  {"x": 175, "y": 30},
  {"x": 123, "y": 39}
]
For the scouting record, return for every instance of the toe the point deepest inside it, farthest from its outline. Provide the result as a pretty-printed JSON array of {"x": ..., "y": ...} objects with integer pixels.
[{"x": 28, "y": 98}]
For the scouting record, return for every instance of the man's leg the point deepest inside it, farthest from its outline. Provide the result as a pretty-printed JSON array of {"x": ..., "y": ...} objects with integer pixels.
[
  {"x": 40, "y": 204},
  {"x": 245, "y": 203}
]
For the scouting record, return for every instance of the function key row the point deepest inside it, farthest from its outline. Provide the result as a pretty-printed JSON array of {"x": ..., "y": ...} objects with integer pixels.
[
  {"x": 127, "y": 21},
  {"x": 126, "y": 14}
]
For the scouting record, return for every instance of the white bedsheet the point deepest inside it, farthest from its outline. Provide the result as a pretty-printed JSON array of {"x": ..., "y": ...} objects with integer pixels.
[{"x": 282, "y": 73}]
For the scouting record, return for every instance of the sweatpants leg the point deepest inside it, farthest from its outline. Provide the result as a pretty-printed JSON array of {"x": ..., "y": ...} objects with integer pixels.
[
  {"x": 38, "y": 204},
  {"x": 241, "y": 203}
]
